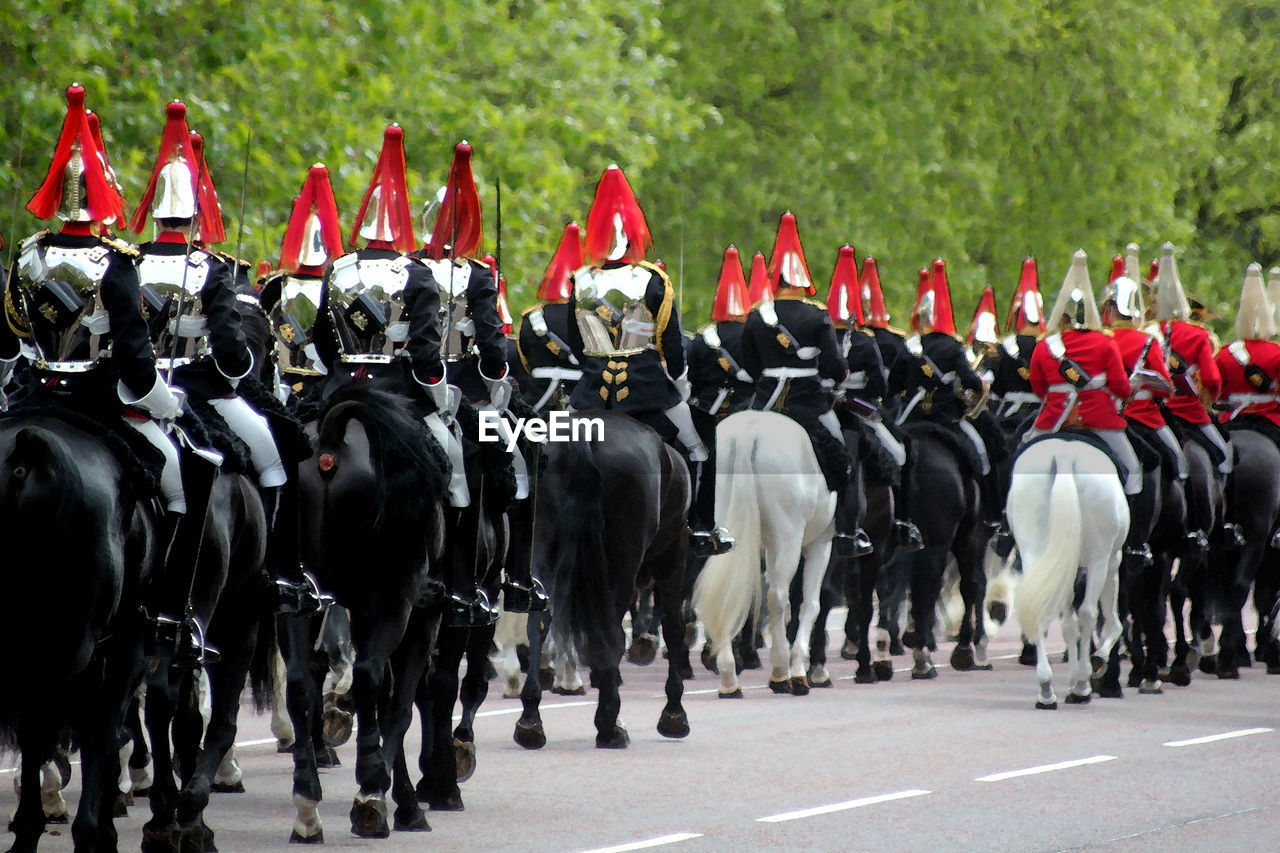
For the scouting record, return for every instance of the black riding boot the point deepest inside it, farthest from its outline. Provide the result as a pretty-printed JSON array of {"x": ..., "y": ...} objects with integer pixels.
[
  {"x": 469, "y": 604},
  {"x": 1139, "y": 522},
  {"x": 906, "y": 536},
  {"x": 706, "y": 538},
  {"x": 521, "y": 591},
  {"x": 850, "y": 539}
]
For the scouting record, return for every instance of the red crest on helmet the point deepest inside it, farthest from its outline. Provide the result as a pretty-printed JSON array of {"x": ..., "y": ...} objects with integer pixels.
[
  {"x": 388, "y": 192},
  {"x": 176, "y": 142},
  {"x": 210, "y": 212},
  {"x": 615, "y": 211},
  {"x": 567, "y": 259},
  {"x": 759, "y": 289},
  {"x": 870, "y": 296},
  {"x": 984, "y": 327},
  {"x": 731, "y": 290},
  {"x": 315, "y": 199},
  {"x": 843, "y": 303},
  {"x": 101, "y": 199},
  {"x": 787, "y": 262},
  {"x": 458, "y": 220},
  {"x": 1026, "y": 311}
]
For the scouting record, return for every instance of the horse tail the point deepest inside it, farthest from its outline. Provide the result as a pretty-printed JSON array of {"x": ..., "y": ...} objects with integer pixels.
[
  {"x": 728, "y": 588},
  {"x": 581, "y": 600},
  {"x": 262, "y": 666},
  {"x": 1048, "y": 582}
]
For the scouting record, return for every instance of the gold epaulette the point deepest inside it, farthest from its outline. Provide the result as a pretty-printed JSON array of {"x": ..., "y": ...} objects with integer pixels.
[
  {"x": 121, "y": 246},
  {"x": 816, "y": 304}
]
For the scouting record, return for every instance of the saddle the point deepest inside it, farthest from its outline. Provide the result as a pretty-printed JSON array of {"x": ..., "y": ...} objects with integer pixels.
[
  {"x": 833, "y": 457},
  {"x": 1078, "y": 435},
  {"x": 1256, "y": 423},
  {"x": 960, "y": 445},
  {"x": 1186, "y": 431}
]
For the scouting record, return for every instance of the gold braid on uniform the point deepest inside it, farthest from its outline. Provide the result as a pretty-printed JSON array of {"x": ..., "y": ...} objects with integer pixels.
[
  {"x": 664, "y": 310},
  {"x": 12, "y": 317}
]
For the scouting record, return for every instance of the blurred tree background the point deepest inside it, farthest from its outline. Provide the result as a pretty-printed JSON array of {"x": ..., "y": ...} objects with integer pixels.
[{"x": 979, "y": 132}]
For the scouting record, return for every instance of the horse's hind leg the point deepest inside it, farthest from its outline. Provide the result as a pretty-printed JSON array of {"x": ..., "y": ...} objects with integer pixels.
[
  {"x": 529, "y": 732},
  {"x": 439, "y": 768},
  {"x": 816, "y": 558},
  {"x": 161, "y": 831},
  {"x": 972, "y": 637},
  {"x": 408, "y": 669},
  {"x": 609, "y": 732},
  {"x": 668, "y": 590},
  {"x": 471, "y": 694},
  {"x": 304, "y": 674}
]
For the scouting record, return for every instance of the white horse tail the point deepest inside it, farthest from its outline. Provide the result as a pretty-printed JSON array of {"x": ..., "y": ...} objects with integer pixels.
[
  {"x": 1048, "y": 582},
  {"x": 728, "y": 588}
]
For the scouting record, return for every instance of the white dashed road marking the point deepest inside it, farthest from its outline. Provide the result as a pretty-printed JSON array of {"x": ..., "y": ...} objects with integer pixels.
[
  {"x": 1224, "y": 736},
  {"x": 652, "y": 842},
  {"x": 1045, "y": 768},
  {"x": 839, "y": 807}
]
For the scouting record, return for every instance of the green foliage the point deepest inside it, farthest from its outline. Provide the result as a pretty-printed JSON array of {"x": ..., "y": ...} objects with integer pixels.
[{"x": 976, "y": 132}]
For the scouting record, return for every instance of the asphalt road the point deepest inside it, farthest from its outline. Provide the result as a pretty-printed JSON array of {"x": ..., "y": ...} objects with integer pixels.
[{"x": 959, "y": 763}]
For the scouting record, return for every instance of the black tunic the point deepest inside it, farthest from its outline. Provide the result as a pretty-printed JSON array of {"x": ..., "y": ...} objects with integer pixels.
[
  {"x": 715, "y": 368},
  {"x": 132, "y": 359},
  {"x": 634, "y": 383},
  {"x": 207, "y": 377},
  {"x": 807, "y": 324},
  {"x": 489, "y": 341},
  {"x": 945, "y": 356},
  {"x": 866, "y": 366},
  {"x": 548, "y": 350}
]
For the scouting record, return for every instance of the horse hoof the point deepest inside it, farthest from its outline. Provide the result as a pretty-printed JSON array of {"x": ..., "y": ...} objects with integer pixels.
[
  {"x": 849, "y": 651},
  {"x": 909, "y": 638},
  {"x": 464, "y": 756},
  {"x": 1208, "y": 664},
  {"x": 1077, "y": 699},
  {"x": 296, "y": 837},
  {"x": 643, "y": 650},
  {"x": 883, "y": 670},
  {"x": 1108, "y": 689},
  {"x": 708, "y": 658},
  {"x": 283, "y": 746},
  {"x": 617, "y": 739},
  {"x": 336, "y": 725},
  {"x": 414, "y": 821},
  {"x": 449, "y": 803},
  {"x": 684, "y": 670},
  {"x": 1151, "y": 687},
  {"x": 737, "y": 694},
  {"x": 546, "y": 675},
  {"x": 866, "y": 676},
  {"x": 1135, "y": 677},
  {"x": 821, "y": 681},
  {"x": 897, "y": 648},
  {"x": 369, "y": 818},
  {"x": 675, "y": 724},
  {"x": 564, "y": 691},
  {"x": 1179, "y": 675},
  {"x": 962, "y": 658},
  {"x": 1028, "y": 656},
  {"x": 783, "y": 686},
  {"x": 1228, "y": 672},
  {"x": 799, "y": 686},
  {"x": 530, "y": 735},
  {"x": 160, "y": 840},
  {"x": 327, "y": 758},
  {"x": 196, "y": 839},
  {"x": 1046, "y": 706},
  {"x": 924, "y": 672},
  {"x": 999, "y": 611},
  {"x": 748, "y": 659},
  {"x": 122, "y": 808},
  {"x": 223, "y": 788}
]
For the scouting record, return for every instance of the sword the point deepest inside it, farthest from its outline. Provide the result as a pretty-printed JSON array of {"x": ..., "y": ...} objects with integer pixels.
[
  {"x": 17, "y": 196},
  {"x": 453, "y": 238},
  {"x": 244, "y": 189}
]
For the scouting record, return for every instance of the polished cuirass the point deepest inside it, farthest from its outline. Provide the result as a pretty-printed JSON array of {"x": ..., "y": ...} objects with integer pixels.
[
  {"x": 611, "y": 312},
  {"x": 60, "y": 304},
  {"x": 458, "y": 330},
  {"x": 292, "y": 320},
  {"x": 366, "y": 304},
  {"x": 172, "y": 287}
]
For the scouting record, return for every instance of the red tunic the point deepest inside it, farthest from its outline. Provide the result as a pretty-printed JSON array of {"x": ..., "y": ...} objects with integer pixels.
[
  {"x": 1265, "y": 354},
  {"x": 1142, "y": 408},
  {"x": 1098, "y": 356},
  {"x": 1192, "y": 346}
]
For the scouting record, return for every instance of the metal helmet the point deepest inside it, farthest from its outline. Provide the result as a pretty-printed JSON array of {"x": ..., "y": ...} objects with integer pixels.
[
  {"x": 175, "y": 196},
  {"x": 430, "y": 211},
  {"x": 1125, "y": 296},
  {"x": 377, "y": 222},
  {"x": 926, "y": 313},
  {"x": 313, "y": 253},
  {"x": 1171, "y": 299},
  {"x": 75, "y": 195},
  {"x": 1075, "y": 307},
  {"x": 1254, "y": 320},
  {"x": 620, "y": 242}
]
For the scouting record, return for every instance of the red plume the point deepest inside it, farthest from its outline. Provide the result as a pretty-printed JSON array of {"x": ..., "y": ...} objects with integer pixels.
[
  {"x": 788, "y": 257},
  {"x": 1117, "y": 268},
  {"x": 462, "y": 230},
  {"x": 986, "y": 309},
  {"x": 176, "y": 141},
  {"x": 842, "y": 298},
  {"x": 945, "y": 321},
  {"x": 1152, "y": 270},
  {"x": 317, "y": 196},
  {"x": 760, "y": 289},
  {"x": 730, "y": 302},
  {"x": 210, "y": 212},
  {"x": 504, "y": 313},
  {"x": 1017, "y": 320},
  {"x": 923, "y": 286},
  {"x": 393, "y": 192},
  {"x": 568, "y": 257},
  {"x": 614, "y": 196},
  {"x": 95, "y": 127},
  {"x": 870, "y": 296},
  {"x": 102, "y": 201}
]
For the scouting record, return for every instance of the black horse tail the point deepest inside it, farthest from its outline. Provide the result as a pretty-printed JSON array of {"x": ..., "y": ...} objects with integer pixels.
[
  {"x": 584, "y": 613},
  {"x": 262, "y": 666}
]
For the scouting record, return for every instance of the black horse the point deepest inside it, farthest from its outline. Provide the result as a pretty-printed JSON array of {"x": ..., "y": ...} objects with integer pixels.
[
  {"x": 229, "y": 595},
  {"x": 610, "y": 518},
  {"x": 1205, "y": 510},
  {"x": 372, "y": 521},
  {"x": 80, "y": 546}
]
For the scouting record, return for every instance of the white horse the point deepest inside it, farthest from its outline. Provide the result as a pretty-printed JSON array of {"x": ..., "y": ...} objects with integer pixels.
[
  {"x": 772, "y": 495},
  {"x": 1069, "y": 515}
]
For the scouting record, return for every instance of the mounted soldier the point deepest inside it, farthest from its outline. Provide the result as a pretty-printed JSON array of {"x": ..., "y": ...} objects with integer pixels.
[
  {"x": 898, "y": 362},
  {"x": 943, "y": 387},
  {"x": 628, "y": 339},
  {"x": 73, "y": 308},
  {"x": 720, "y": 385},
  {"x": 291, "y": 296},
  {"x": 1023, "y": 325},
  {"x": 543, "y": 339},
  {"x": 789, "y": 345},
  {"x": 1250, "y": 365},
  {"x": 195, "y": 325}
]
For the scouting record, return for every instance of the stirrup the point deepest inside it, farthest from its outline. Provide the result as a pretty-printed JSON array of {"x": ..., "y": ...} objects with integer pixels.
[
  {"x": 908, "y": 536},
  {"x": 709, "y": 543},
  {"x": 1193, "y": 544},
  {"x": 855, "y": 544},
  {"x": 1143, "y": 551},
  {"x": 1002, "y": 541},
  {"x": 471, "y": 610},
  {"x": 302, "y": 598},
  {"x": 1233, "y": 534},
  {"x": 524, "y": 598},
  {"x": 180, "y": 640}
]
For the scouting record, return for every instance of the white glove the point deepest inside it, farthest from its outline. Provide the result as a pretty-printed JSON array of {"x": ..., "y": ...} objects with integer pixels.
[
  {"x": 685, "y": 387},
  {"x": 499, "y": 392},
  {"x": 160, "y": 402}
]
